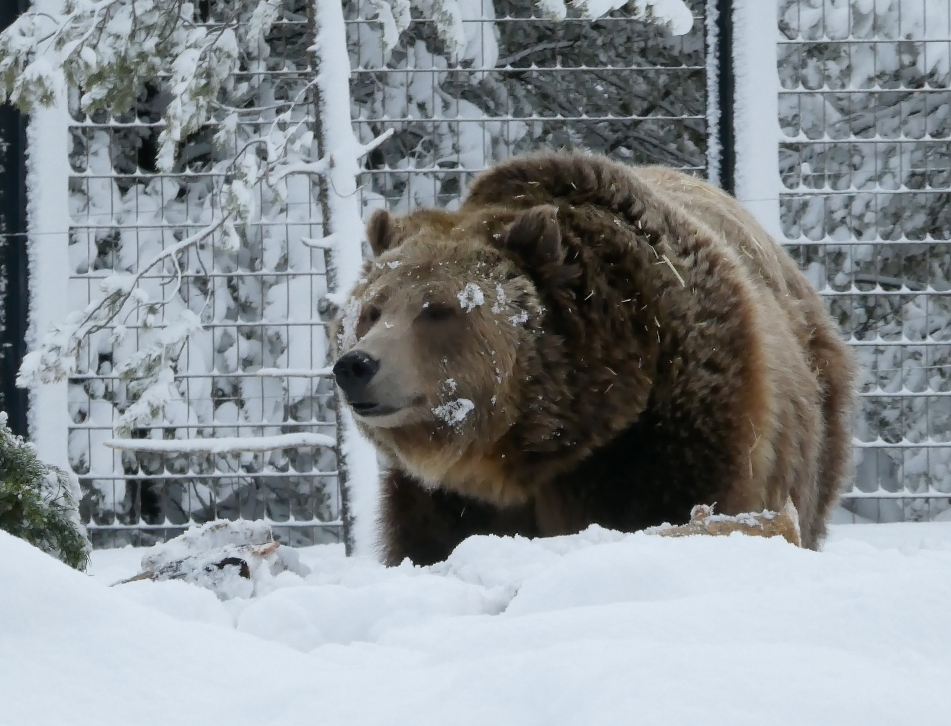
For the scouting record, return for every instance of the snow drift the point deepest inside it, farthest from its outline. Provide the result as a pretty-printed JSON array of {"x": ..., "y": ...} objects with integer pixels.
[{"x": 593, "y": 628}]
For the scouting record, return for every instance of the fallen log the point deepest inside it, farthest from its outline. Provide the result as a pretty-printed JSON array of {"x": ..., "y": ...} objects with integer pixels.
[
  {"x": 703, "y": 521},
  {"x": 228, "y": 558},
  {"x": 182, "y": 568}
]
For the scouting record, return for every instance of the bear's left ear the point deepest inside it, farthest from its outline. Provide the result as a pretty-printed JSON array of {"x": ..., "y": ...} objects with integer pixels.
[
  {"x": 535, "y": 237},
  {"x": 381, "y": 233}
]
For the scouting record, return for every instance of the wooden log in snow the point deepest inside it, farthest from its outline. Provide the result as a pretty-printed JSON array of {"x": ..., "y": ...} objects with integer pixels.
[
  {"x": 181, "y": 568},
  {"x": 703, "y": 521}
]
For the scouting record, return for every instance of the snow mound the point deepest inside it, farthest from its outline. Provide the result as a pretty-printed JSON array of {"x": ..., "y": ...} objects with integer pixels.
[{"x": 599, "y": 627}]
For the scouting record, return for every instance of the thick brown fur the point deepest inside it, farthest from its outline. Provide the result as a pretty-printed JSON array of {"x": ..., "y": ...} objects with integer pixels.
[{"x": 661, "y": 351}]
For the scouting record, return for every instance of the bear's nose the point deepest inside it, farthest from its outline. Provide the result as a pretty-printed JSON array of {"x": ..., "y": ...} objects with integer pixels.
[{"x": 353, "y": 372}]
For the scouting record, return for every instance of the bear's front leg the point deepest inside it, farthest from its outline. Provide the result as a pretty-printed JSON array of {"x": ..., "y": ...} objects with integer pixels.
[{"x": 426, "y": 525}]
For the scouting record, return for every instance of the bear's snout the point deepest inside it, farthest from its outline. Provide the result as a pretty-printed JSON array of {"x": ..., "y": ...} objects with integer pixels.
[{"x": 353, "y": 373}]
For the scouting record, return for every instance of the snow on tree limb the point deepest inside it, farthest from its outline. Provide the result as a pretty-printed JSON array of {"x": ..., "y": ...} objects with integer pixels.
[
  {"x": 294, "y": 372},
  {"x": 110, "y": 49},
  {"x": 357, "y": 458},
  {"x": 552, "y": 9},
  {"x": 40, "y": 503},
  {"x": 783, "y": 523},
  {"x": 232, "y": 445},
  {"x": 56, "y": 357},
  {"x": 394, "y": 16},
  {"x": 323, "y": 165},
  {"x": 672, "y": 13},
  {"x": 448, "y": 19},
  {"x": 229, "y": 558}
]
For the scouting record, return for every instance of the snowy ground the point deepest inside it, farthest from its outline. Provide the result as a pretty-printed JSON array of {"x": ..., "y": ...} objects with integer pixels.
[{"x": 598, "y": 628}]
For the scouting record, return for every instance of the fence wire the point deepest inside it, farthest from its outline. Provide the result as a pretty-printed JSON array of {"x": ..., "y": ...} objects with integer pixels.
[
  {"x": 865, "y": 107},
  {"x": 618, "y": 86},
  {"x": 258, "y": 308}
]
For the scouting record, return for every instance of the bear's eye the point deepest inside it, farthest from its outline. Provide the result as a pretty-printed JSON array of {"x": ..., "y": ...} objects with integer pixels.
[
  {"x": 372, "y": 314},
  {"x": 435, "y": 312}
]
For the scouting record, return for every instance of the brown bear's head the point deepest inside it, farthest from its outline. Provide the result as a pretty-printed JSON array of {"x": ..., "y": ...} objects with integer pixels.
[{"x": 435, "y": 342}]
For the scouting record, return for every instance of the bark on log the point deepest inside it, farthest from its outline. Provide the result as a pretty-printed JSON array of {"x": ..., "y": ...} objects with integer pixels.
[{"x": 703, "y": 521}]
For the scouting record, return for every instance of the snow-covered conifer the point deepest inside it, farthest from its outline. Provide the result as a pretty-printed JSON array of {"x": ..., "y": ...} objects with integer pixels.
[{"x": 38, "y": 503}]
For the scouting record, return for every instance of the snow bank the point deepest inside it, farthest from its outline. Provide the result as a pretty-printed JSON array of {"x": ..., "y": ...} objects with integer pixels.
[
  {"x": 77, "y": 653},
  {"x": 594, "y": 628}
]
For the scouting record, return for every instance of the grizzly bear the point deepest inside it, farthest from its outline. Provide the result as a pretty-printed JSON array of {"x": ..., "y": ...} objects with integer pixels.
[{"x": 584, "y": 342}]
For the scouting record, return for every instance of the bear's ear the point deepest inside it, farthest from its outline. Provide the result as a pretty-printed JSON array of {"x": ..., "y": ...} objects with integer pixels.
[
  {"x": 535, "y": 237},
  {"x": 381, "y": 232}
]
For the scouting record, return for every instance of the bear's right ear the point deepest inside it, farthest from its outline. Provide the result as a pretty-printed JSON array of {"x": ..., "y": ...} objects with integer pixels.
[
  {"x": 535, "y": 237},
  {"x": 381, "y": 232}
]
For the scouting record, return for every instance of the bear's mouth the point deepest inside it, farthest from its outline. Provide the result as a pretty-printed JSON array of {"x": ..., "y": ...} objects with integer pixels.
[{"x": 368, "y": 409}]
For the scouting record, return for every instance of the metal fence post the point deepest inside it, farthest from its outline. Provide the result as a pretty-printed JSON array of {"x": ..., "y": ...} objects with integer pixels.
[
  {"x": 725, "y": 88},
  {"x": 13, "y": 253}
]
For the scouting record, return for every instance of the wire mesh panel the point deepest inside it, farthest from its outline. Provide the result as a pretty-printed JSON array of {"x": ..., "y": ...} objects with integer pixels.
[
  {"x": 517, "y": 82},
  {"x": 865, "y": 106},
  {"x": 502, "y": 81},
  {"x": 256, "y": 302}
]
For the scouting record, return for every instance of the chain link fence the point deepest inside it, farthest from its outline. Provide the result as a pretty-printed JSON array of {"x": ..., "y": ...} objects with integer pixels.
[{"x": 865, "y": 108}]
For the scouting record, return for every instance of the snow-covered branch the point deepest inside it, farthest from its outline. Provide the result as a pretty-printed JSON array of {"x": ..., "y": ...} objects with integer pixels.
[
  {"x": 294, "y": 373},
  {"x": 232, "y": 445},
  {"x": 674, "y": 14},
  {"x": 324, "y": 164},
  {"x": 357, "y": 463},
  {"x": 110, "y": 49},
  {"x": 56, "y": 357}
]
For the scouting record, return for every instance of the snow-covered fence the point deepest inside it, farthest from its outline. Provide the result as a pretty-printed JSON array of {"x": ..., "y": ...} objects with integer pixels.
[
  {"x": 178, "y": 284},
  {"x": 503, "y": 76},
  {"x": 209, "y": 395},
  {"x": 227, "y": 341},
  {"x": 246, "y": 428},
  {"x": 865, "y": 203}
]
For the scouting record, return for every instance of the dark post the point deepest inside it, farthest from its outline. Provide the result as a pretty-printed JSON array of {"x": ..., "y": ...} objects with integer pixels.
[
  {"x": 726, "y": 131},
  {"x": 13, "y": 255}
]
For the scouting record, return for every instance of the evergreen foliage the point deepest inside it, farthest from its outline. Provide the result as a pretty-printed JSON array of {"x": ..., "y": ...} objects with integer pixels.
[{"x": 37, "y": 503}]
